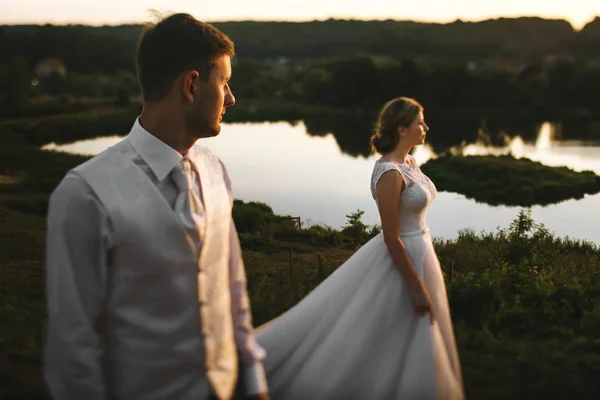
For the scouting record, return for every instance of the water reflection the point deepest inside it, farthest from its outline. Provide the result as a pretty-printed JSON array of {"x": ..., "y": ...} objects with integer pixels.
[
  {"x": 577, "y": 156},
  {"x": 309, "y": 176},
  {"x": 351, "y": 132},
  {"x": 87, "y": 147},
  {"x": 450, "y": 132}
]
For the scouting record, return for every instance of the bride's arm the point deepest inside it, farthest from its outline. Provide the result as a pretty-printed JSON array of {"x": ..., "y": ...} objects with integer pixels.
[{"x": 389, "y": 187}]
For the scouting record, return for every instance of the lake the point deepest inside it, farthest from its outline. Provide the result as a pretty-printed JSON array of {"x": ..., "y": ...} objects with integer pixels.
[{"x": 311, "y": 177}]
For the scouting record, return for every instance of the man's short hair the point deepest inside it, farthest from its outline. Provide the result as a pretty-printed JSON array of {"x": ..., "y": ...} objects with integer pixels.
[{"x": 174, "y": 45}]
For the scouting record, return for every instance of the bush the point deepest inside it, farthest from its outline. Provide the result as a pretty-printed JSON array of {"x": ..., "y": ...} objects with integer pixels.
[
  {"x": 325, "y": 234},
  {"x": 253, "y": 217},
  {"x": 522, "y": 282}
]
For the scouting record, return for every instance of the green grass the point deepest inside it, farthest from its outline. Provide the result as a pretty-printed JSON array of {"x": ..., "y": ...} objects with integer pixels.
[
  {"x": 505, "y": 180},
  {"x": 526, "y": 305},
  {"x": 21, "y": 304}
]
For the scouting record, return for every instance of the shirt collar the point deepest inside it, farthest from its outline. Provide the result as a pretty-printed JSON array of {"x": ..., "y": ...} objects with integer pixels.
[{"x": 160, "y": 157}]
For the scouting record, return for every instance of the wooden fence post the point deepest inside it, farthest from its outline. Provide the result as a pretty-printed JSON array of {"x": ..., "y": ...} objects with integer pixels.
[
  {"x": 291, "y": 264},
  {"x": 321, "y": 268}
]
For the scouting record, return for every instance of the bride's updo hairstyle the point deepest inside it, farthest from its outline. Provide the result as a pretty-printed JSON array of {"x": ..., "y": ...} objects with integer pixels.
[{"x": 401, "y": 111}]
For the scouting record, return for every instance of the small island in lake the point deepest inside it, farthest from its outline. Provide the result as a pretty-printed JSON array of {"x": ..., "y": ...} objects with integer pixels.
[{"x": 505, "y": 180}]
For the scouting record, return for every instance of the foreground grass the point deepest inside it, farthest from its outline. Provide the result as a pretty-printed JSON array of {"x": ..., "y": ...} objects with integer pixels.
[
  {"x": 526, "y": 305},
  {"x": 509, "y": 181},
  {"x": 22, "y": 312}
]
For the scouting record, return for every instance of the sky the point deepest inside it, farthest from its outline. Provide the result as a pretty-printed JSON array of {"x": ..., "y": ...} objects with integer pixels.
[{"x": 114, "y": 12}]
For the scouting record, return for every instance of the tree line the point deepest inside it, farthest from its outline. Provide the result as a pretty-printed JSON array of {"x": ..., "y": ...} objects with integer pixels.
[{"x": 109, "y": 49}]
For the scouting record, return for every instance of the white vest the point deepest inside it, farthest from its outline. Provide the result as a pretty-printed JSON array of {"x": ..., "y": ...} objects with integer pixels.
[{"x": 168, "y": 324}]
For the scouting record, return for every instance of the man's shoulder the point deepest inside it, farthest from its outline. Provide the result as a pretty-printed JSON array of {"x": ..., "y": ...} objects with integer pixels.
[
  {"x": 87, "y": 180},
  {"x": 82, "y": 177},
  {"x": 104, "y": 162}
]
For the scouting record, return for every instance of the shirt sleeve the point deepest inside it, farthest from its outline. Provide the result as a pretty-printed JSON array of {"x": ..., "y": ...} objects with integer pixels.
[
  {"x": 77, "y": 239},
  {"x": 251, "y": 354}
]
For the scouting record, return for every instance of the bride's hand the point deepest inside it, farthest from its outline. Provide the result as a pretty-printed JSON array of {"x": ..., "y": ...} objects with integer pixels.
[{"x": 422, "y": 302}]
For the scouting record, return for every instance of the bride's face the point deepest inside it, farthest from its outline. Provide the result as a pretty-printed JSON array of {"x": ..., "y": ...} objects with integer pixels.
[{"x": 415, "y": 133}]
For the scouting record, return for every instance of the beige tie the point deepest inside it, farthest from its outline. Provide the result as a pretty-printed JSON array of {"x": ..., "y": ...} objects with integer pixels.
[{"x": 188, "y": 205}]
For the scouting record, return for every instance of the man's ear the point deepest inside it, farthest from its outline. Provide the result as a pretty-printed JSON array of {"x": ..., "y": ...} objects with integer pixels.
[{"x": 190, "y": 79}]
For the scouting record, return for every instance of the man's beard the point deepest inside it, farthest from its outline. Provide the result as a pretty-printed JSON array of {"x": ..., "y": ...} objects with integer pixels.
[{"x": 201, "y": 127}]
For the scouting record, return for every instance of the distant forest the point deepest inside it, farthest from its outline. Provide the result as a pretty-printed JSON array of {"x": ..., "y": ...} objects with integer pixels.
[
  {"x": 506, "y": 62},
  {"x": 109, "y": 49}
]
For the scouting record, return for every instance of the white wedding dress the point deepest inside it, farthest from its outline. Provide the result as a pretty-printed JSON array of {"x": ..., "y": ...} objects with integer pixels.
[{"x": 356, "y": 335}]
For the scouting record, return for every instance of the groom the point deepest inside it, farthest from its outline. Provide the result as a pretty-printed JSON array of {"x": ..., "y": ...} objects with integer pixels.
[{"x": 146, "y": 287}]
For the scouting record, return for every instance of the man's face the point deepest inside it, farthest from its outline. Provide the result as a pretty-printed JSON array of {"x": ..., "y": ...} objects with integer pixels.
[{"x": 211, "y": 97}]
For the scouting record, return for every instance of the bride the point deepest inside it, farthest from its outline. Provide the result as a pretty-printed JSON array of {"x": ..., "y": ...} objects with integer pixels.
[{"x": 379, "y": 327}]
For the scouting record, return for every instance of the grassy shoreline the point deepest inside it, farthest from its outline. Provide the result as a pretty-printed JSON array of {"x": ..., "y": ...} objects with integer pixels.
[{"x": 96, "y": 119}]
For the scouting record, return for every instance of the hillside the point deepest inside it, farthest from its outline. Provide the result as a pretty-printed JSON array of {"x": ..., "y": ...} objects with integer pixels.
[{"x": 111, "y": 48}]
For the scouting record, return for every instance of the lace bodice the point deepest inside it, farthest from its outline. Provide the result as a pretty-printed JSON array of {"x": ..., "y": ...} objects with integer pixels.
[{"x": 418, "y": 194}]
